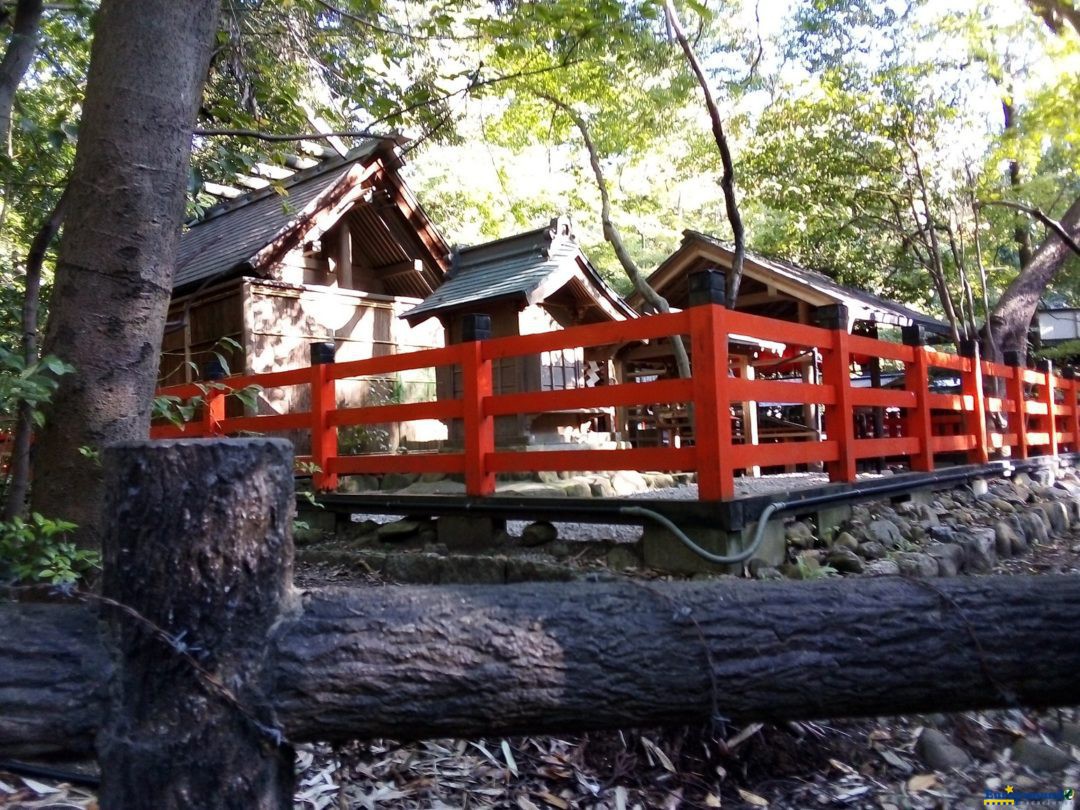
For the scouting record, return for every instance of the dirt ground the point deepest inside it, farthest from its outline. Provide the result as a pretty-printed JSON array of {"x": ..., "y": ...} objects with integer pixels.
[{"x": 866, "y": 763}]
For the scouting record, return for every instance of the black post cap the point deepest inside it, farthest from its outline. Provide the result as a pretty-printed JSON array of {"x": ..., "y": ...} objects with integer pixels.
[
  {"x": 1069, "y": 373},
  {"x": 322, "y": 352},
  {"x": 214, "y": 369},
  {"x": 831, "y": 316},
  {"x": 913, "y": 335},
  {"x": 968, "y": 347},
  {"x": 1013, "y": 358},
  {"x": 706, "y": 287},
  {"x": 475, "y": 326},
  {"x": 1044, "y": 365}
]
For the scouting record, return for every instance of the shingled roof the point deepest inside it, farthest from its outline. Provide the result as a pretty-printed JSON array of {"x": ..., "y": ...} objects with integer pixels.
[
  {"x": 230, "y": 237},
  {"x": 526, "y": 267},
  {"x": 862, "y": 304}
]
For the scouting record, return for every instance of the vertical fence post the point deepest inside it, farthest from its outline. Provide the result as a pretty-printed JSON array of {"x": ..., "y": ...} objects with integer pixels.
[
  {"x": 917, "y": 381},
  {"x": 324, "y": 436},
  {"x": 971, "y": 386},
  {"x": 840, "y": 417},
  {"x": 712, "y": 411},
  {"x": 476, "y": 372},
  {"x": 1015, "y": 390},
  {"x": 1047, "y": 396},
  {"x": 1070, "y": 388}
]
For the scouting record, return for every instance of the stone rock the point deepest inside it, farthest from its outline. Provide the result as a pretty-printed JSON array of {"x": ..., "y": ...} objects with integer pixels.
[
  {"x": 442, "y": 486},
  {"x": 417, "y": 569},
  {"x": 660, "y": 480},
  {"x": 528, "y": 570},
  {"x": 845, "y": 561},
  {"x": 882, "y": 568},
  {"x": 845, "y": 540},
  {"x": 946, "y": 534},
  {"x": 535, "y": 490},
  {"x": 939, "y": 752},
  {"x": 602, "y": 488},
  {"x": 538, "y": 533},
  {"x": 949, "y": 556},
  {"x": 628, "y": 482},
  {"x": 399, "y": 530},
  {"x": 917, "y": 564},
  {"x": 799, "y": 534},
  {"x": 558, "y": 549},
  {"x": 432, "y": 477},
  {"x": 1002, "y": 505},
  {"x": 353, "y": 484},
  {"x": 872, "y": 550},
  {"x": 1039, "y": 756},
  {"x": 1070, "y": 733},
  {"x": 393, "y": 481},
  {"x": 548, "y": 477},
  {"x": 1035, "y": 526},
  {"x": 1057, "y": 515},
  {"x": 576, "y": 489},
  {"x": 1006, "y": 541},
  {"x": 980, "y": 556},
  {"x": 462, "y": 569},
  {"x": 622, "y": 556},
  {"x": 908, "y": 509},
  {"x": 760, "y": 569},
  {"x": 884, "y": 532}
]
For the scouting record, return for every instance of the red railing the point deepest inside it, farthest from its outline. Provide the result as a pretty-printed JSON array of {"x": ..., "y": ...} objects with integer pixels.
[{"x": 920, "y": 423}]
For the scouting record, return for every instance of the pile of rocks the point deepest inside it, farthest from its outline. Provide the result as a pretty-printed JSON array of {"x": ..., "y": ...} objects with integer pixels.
[
  {"x": 620, "y": 483},
  {"x": 948, "y": 533}
]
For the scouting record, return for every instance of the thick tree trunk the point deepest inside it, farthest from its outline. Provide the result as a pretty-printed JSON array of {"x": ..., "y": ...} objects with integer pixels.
[
  {"x": 114, "y": 274},
  {"x": 1014, "y": 310},
  {"x": 556, "y": 657},
  {"x": 197, "y": 549}
]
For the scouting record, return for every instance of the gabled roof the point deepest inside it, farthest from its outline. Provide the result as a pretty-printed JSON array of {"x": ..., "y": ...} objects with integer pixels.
[
  {"x": 247, "y": 234},
  {"x": 861, "y": 305},
  {"x": 527, "y": 267}
]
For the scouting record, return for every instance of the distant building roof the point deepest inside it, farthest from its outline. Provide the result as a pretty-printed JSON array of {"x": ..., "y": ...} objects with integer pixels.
[
  {"x": 246, "y": 234},
  {"x": 861, "y": 304},
  {"x": 527, "y": 267}
]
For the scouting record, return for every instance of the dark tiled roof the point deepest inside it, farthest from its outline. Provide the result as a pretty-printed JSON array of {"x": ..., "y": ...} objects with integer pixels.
[
  {"x": 228, "y": 235},
  {"x": 822, "y": 282},
  {"x": 514, "y": 267}
]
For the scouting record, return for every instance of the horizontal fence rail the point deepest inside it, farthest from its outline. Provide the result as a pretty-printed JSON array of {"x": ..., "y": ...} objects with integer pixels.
[{"x": 946, "y": 404}]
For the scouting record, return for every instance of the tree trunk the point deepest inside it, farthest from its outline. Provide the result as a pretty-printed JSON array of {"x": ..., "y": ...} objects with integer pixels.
[
  {"x": 197, "y": 549},
  {"x": 409, "y": 662},
  {"x": 1014, "y": 310},
  {"x": 19, "y": 477},
  {"x": 114, "y": 274},
  {"x": 17, "y": 57}
]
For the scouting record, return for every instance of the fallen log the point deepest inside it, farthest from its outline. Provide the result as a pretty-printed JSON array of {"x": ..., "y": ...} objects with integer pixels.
[
  {"x": 467, "y": 660},
  {"x": 214, "y": 648}
]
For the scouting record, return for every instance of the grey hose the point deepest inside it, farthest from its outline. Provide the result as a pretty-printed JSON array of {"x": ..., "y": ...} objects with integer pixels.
[{"x": 720, "y": 559}]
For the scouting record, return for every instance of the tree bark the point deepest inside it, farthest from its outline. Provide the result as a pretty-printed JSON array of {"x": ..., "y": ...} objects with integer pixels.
[
  {"x": 17, "y": 57},
  {"x": 197, "y": 549},
  {"x": 410, "y": 662},
  {"x": 114, "y": 274},
  {"x": 1016, "y": 307}
]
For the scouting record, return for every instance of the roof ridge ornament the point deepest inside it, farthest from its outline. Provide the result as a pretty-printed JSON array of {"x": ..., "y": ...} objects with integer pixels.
[{"x": 562, "y": 227}]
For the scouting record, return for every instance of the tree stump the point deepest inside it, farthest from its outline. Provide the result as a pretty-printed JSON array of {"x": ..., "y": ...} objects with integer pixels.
[{"x": 198, "y": 552}]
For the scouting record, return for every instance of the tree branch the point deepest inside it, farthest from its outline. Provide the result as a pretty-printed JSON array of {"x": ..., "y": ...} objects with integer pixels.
[
  {"x": 1041, "y": 216},
  {"x": 727, "y": 180},
  {"x": 612, "y": 235},
  {"x": 17, "y": 57}
]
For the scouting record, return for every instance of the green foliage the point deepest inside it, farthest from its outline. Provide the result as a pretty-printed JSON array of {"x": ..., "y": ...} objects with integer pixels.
[
  {"x": 35, "y": 550},
  {"x": 33, "y": 384}
]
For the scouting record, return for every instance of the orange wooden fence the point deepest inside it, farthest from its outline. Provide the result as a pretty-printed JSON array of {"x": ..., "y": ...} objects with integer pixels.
[{"x": 1039, "y": 408}]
